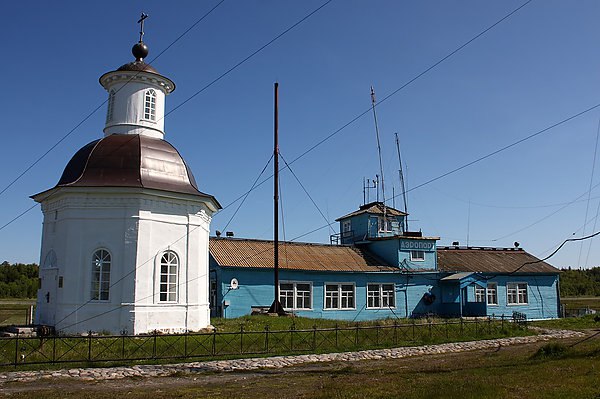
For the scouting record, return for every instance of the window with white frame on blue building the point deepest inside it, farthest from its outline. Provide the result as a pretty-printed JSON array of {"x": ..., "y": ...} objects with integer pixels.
[{"x": 380, "y": 296}]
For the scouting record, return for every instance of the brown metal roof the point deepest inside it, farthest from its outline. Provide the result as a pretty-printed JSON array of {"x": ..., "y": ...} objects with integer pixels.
[
  {"x": 130, "y": 160},
  {"x": 296, "y": 256},
  {"x": 138, "y": 65},
  {"x": 490, "y": 260},
  {"x": 375, "y": 208}
]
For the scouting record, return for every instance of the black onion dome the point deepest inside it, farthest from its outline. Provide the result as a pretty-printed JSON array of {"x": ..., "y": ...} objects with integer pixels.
[{"x": 130, "y": 160}]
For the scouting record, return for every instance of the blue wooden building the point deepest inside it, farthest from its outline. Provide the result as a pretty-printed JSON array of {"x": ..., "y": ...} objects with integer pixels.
[{"x": 376, "y": 269}]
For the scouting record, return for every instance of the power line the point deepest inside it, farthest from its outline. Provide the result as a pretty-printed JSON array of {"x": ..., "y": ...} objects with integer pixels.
[
  {"x": 89, "y": 115},
  {"x": 307, "y": 193},
  {"x": 185, "y": 101},
  {"x": 247, "y": 193},
  {"x": 403, "y": 86}
]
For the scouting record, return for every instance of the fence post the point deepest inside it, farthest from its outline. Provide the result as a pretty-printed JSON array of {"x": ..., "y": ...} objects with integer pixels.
[
  {"x": 17, "y": 348},
  {"x": 336, "y": 335},
  {"x": 185, "y": 343},
  {"x": 154, "y": 344},
  {"x": 241, "y": 339},
  {"x": 54, "y": 348},
  {"x": 377, "y": 335},
  {"x": 489, "y": 325},
  {"x": 314, "y": 345},
  {"x": 395, "y": 332},
  {"x": 90, "y": 346},
  {"x": 123, "y": 346},
  {"x": 502, "y": 322},
  {"x": 430, "y": 332},
  {"x": 447, "y": 332},
  {"x": 413, "y": 329},
  {"x": 292, "y": 327},
  {"x": 461, "y": 325},
  {"x": 214, "y": 342},
  {"x": 476, "y": 325},
  {"x": 356, "y": 336},
  {"x": 267, "y": 339}
]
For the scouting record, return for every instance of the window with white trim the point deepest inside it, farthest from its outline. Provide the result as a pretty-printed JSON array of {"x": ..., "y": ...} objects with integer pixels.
[
  {"x": 111, "y": 106},
  {"x": 479, "y": 294},
  {"x": 150, "y": 105},
  {"x": 492, "y": 294},
  {"x": 381, "y": 296},
  {"x": 516, "y": 293},
  {"x": 385, "y": 224},
  {"x": 169, "y": 269},
  {"x": 101, "y": 260},
  {"x": 347, "y": 226},
  {"x": 339, "y": 296},
  {"x": 295, "y": 295},
  {"x": 417, "y": 256}
]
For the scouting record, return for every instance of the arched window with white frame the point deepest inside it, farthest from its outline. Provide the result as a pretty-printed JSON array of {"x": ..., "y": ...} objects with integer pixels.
[
  {"x": 101, "y": 262},
  {"x": 111, "y": 106},
  {"x": 150, "y": 105},
  {"x": 169, "y": 270}
]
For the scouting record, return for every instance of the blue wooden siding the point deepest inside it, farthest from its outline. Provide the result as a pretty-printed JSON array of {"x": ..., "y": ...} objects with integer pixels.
[
  {"x": 390, "y": 251},
  {"x": 256, "y": 289},
  {"x": 542, "y": 295}
]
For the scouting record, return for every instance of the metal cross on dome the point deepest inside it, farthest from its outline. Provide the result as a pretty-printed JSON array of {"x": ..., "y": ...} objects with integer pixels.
[{"x": 141, "y": 22}]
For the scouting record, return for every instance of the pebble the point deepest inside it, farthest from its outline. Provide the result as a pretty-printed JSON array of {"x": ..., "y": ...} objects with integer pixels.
[{"x": 113, "y": 373}]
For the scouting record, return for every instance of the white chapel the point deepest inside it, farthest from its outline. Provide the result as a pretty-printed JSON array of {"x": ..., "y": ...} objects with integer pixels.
[{"x": 125, "y": 231}]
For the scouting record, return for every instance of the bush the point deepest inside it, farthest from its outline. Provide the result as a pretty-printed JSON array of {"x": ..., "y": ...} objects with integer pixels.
[{"x": 553, "y": 350}]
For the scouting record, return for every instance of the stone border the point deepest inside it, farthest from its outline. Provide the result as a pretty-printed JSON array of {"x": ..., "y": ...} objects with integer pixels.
[{"x": 112, "y": 373}]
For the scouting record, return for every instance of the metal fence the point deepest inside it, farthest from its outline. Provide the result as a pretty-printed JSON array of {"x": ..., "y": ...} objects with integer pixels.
[{"x": 22, "y": 350}]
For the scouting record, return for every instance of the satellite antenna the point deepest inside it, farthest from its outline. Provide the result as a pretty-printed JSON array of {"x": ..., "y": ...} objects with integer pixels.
[{"x": 234, "y": 284}]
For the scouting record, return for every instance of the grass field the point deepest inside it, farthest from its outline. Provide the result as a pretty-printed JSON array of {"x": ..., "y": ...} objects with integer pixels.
[
  {"x": 14, "y": 311},
  {"x": 280, "y": 338},
  {"x": 582, "y": 302},
  {"x": 570, "y": 369}
]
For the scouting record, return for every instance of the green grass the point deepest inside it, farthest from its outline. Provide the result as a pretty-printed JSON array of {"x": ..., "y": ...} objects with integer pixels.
[
  {"x": 282, "y": 338},
  {"x": 570, "y": 323},
  {"x": 14, "y": 311},
  {"x": 581, "y": 302},
  {"x": 570, "y": 372}
]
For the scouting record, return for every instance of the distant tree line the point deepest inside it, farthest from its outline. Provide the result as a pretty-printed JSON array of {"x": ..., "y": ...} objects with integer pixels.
[
  {"x": 18, "y": 280},
  {"x": 582, "y": 282}
]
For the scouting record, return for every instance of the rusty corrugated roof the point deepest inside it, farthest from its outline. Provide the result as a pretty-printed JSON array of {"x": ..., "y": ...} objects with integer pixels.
[
  {"x": 375, "y": 208},
  {"x": 490, "y": 260},
  {"x": 296, "y": 256}
]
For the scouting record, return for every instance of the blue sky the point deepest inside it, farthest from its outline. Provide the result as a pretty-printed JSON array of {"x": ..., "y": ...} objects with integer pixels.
[{"x": 536, "y": 68}]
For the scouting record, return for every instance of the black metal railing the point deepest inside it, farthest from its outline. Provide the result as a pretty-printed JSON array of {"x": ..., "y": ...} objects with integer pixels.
[{"x": 95, "y": 349}]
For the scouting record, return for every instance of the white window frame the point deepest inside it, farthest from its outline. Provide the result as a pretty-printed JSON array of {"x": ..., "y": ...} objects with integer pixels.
[
  {"x": 519, "y": 288},
  {"x": 150, "y": 98},
  {"x": 480, "y": 294},
  {"x": 380, "y": 298},
  {"x": 385, "y": 225},
  {"x": 346, "y": 226},
  {"x": 100, "y": 277},
  {"x": 492, "y": 293},
  {"x": 414, "y": 258},
  {"x": 295, "y": 296},
  {"x": 168, "y": 280},
  {"x": 339, "y": 295}
]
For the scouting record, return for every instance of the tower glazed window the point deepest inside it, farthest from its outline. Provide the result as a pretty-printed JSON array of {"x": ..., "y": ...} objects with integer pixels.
[
  {"x": 111, "y": 106},
  {"x": 150, "y": 105}
]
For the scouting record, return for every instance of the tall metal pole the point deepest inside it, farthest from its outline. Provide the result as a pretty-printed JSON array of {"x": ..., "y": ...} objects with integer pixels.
[
  {"x": 276, "y": 306},
  {"x": 402, "y": 184},
  {"x": 379, "y": 151}
]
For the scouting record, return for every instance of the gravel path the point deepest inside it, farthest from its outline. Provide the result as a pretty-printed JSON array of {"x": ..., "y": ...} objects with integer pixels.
[{"x": 111, "y": 373}]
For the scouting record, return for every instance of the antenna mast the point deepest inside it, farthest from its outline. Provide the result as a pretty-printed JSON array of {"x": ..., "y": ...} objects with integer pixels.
[
  {"x": 276, "y": 306},
  {"x": 378, "y": 149},
  {"x": 402, "y": 185}
]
